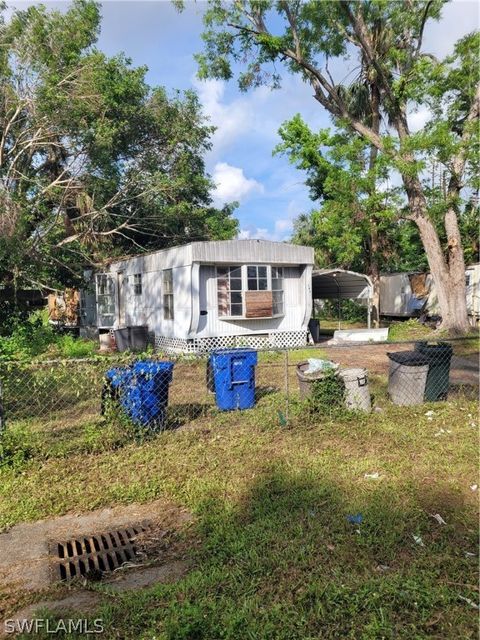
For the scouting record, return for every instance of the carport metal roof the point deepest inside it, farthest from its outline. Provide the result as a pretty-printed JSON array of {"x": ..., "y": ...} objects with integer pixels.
[{"x": 340, "y": 284}]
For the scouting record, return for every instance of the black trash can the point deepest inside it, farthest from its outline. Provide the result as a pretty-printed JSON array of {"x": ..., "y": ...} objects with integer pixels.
[
  {"x": 131, "y": 338},
  {"x": 138, "y": 338},
  {"x": 122, "y": 338},
  {"x": 314, "y": 328},
  {"x": 438, "y": 379}
]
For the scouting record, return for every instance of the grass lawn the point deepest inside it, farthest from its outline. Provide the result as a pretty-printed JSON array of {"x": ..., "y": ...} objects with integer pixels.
[{"x": 273, "y": 554}]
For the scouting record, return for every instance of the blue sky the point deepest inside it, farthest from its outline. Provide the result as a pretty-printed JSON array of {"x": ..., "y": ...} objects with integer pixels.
[{"x": 270, "y": 191}]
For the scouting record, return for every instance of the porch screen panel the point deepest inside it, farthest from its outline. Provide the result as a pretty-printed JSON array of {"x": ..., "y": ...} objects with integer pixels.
[{"x": 105, "y": 300}]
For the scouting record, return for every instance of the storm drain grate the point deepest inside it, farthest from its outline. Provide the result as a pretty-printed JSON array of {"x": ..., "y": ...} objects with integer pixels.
[{"x": 96, "y": 554}]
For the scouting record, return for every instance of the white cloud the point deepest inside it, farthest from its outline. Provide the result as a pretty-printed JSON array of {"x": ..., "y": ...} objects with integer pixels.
[
  {"x": 232, "y": 184},
  {"x": 417, "y": 119},
  {"x": 282, "y": 232},
  {"x": 254, "y": 233},
  {"x": 283, "y": 226},
  {"x": 258, "y": 113},
  {"x": 232, "y": 120}
]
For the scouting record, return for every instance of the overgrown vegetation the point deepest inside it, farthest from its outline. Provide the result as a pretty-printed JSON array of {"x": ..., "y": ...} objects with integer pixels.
[
  {"x": 104, "y": 164},
  {"x": 327, "y": 397},
  {"x": 35, "y": 336}
]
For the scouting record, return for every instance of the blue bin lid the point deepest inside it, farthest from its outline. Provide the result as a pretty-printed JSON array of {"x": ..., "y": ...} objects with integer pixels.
[
  {"x": 233, "y": 351},
  {"x": 118, "y": 375},
  {"x": 152, "y": 367},
  {"x": 222, "y": 357}
]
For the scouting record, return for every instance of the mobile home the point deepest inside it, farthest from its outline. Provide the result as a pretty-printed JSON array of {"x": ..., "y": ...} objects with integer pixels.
[
  {"x": 206, "y": 295},
  {"x": 406, "y": 295}
]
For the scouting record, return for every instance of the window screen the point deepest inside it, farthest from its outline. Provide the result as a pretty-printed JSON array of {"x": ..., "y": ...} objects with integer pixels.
[
  {"x": 137, "y": 284},
  {"x": 257, "y": 278},
  {"x": 168, "y": 312}
]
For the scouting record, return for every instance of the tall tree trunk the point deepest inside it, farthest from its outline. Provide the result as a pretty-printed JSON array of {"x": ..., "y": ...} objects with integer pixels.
[
  {"x": 449, "y": 278},
  {"x": 375, "y": 277}
]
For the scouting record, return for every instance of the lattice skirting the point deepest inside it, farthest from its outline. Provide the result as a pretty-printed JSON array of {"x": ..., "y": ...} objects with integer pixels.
[{"x": 277, "y": 340}]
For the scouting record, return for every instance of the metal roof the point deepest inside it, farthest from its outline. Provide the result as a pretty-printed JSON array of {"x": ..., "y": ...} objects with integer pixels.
[
  {"x": 340, "y": 284},
  {"x": 226, "y": 251}
]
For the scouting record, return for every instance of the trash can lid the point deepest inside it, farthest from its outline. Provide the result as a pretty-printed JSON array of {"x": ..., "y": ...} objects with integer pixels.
[
  {"x": 352, "y": 374},
  {"x": 427, "y": 348},
  {"x": 409, "y": 358},
  {"x": 234, "y": 351},
  {"x": 151, "y": 367},
  {"x": 118, "y": 375}
]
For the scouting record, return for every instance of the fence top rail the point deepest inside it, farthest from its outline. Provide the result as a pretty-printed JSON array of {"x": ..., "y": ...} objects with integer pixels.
[{"x": 128, "y": 358}]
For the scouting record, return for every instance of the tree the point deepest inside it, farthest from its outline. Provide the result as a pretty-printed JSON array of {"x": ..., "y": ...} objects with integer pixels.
[
  {"x": 93, "y": 161},
  {"x": 385, "y": 40},
  {"x": 355, "y": 227}
]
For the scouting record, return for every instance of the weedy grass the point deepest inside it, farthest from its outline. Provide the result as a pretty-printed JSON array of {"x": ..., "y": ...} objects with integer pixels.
[{"x": 273, "y": 554}]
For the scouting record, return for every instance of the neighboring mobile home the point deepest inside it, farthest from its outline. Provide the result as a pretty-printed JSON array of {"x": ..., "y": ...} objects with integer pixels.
[
  {"x": 407, "y": 295},
  {"x": 206, "y": 295}
]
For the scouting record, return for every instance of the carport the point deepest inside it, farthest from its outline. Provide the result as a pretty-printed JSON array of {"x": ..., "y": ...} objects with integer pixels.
[{"x": 341, "y": 284}]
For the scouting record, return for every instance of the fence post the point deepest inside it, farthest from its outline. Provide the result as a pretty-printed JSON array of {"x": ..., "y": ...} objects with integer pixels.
[
  {"x": 287, "y": 388},
  {"x": 2, "y": 417}
]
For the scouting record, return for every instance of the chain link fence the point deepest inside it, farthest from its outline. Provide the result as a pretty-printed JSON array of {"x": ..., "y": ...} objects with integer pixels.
[{"x": 160, "y": 392}]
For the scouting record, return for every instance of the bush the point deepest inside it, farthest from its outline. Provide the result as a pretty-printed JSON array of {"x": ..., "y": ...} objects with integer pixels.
[
  {"x": 29, "y": 338},
  {"x": 36, "y": 336},
  {"x": 327, "y": 396},
  {"x": 70, "y": 347},
  {"x": 15, "y": 447},
  {"x": 350, "y": 311}
]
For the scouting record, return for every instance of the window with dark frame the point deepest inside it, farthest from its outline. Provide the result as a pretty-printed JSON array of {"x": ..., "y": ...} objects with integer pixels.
[
  {"x": 257, "y": 278},
  {"x": 168, "y": 313},
  {"x": 137, "y": 284}
]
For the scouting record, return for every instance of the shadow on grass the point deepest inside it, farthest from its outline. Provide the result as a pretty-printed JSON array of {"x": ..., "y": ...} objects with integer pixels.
[
  {"x": 261, "y": 392},
  {"x": 284, "y": 562},
  {"x": 179, "y": 415}
]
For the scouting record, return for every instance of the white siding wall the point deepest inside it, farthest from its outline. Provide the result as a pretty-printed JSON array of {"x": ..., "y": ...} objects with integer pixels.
[{"x": 147, "y": 308}]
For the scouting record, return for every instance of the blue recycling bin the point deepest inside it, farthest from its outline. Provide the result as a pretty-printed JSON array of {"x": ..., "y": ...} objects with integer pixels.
[
  {"x": 142, "y": 390},
  {"x": 118, "y": 377},
  {"x": 234, "y": 378}
]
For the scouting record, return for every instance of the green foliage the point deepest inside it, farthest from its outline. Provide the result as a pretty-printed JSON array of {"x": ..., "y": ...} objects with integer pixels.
[
  {"x": 28, "y": 338},
  {"x": 104, "y": 163},
  {"x": 350, "y": 311},
  {"x": 35, "y": 336},
  {"x": 408, "y": 330},
  {"x": 327, "y": 397},
  {"x": 68, "y": 346},
  {"x": 16, "y": 447}
]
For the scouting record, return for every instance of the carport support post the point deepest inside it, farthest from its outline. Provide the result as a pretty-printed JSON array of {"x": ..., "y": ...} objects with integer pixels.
[
  {"x": 369, "y": 312},
  {"x": 338, "y": 299}
]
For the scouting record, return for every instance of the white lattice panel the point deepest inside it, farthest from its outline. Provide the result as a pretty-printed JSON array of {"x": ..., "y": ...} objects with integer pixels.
[{"x": 279, "y": 340}]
